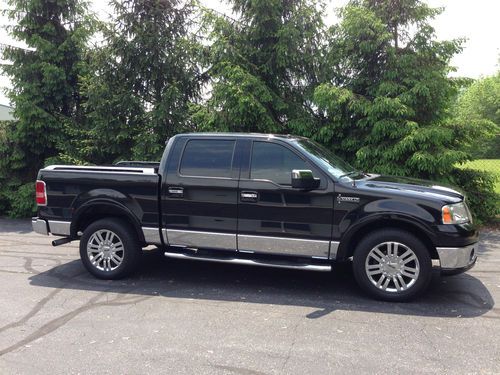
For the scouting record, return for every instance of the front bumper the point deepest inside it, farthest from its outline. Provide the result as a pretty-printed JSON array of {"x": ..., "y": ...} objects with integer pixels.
[
  {"x": 58, "y": 228},
  {"x": 455, "y": 260}
]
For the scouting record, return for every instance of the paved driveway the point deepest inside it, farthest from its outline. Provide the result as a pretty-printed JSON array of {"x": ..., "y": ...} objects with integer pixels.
[{"x": 190, "y": 317}]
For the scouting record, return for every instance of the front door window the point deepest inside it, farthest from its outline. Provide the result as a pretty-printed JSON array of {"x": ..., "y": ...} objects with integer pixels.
[{"x": 273, "y": 162}]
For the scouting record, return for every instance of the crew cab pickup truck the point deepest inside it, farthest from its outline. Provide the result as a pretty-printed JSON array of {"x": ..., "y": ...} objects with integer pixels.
[{"x": 263, "y": 200}]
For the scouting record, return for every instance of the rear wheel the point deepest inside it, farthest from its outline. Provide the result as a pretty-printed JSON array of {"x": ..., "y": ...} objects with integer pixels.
[
  {"x": 392, "y": 265},
  {"x": 109, "y": 249}
]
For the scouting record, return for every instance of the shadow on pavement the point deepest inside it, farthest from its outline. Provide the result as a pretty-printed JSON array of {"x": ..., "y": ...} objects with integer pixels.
[{"x": 457, "y": 296}]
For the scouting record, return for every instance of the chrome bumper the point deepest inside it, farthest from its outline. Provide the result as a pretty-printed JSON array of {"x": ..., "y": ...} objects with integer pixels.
[
  {"x": 39, "y": 226},
  {"x": 457, "y": 258},
  {"x": 58, "y": 228}
]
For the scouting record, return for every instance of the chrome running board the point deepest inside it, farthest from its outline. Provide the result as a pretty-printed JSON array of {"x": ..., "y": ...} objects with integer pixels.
[{"x": 253, "y": 262}]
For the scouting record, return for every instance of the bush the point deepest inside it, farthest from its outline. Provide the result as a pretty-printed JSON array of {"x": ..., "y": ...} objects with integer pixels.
[
  {"x": 481, "y": 197},
  {"x": 18, "y": 201}
]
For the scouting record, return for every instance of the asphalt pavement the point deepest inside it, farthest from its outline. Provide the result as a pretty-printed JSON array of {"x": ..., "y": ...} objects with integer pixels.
[{"x": 186, "y": 317}]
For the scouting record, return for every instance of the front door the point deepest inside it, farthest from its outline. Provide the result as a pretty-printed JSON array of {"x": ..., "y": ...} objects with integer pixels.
[
  {"x": 199, "y": 196},
  {"x": 275, "y": 218}
]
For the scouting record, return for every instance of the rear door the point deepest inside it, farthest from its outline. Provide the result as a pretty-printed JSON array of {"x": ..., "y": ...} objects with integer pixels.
[
  {"x": 199, "y": 196},
  {"x": 275, "y": 218}
]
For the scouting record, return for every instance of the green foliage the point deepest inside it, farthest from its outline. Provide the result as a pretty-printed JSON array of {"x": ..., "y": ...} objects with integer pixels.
[
  {"x": 387, "y": 99},
  {"x": 144, "y": 78},
  {"x": 481, "y": 100},
  {"x": 18, "y": 200},
  {"x": 45, "y": 78},
  {"x": 479, "y": 186},
  {"x": 374, "y": 88},
  {"x": 487, "y": 165},
  {"x": 263, "y": 66},
  {"x": 478, "y": 111},
  {"x": 44, "y": 91}
]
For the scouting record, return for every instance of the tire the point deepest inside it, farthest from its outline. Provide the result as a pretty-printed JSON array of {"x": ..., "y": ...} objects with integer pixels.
[
  {"x": 109, "y": 249},
  {"x": 392, "y": 265}
]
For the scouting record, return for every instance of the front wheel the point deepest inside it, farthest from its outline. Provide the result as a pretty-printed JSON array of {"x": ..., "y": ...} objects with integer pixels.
[
  {"x": 109, "y": 249},
  {"x": 392, "y": 265}
]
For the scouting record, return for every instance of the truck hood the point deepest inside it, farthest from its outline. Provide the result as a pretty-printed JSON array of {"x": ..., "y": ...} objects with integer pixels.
[{"x": 411, "y": 186}]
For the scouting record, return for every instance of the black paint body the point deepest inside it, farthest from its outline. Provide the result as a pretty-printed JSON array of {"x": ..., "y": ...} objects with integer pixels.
[{"x": 215, "y": 204}]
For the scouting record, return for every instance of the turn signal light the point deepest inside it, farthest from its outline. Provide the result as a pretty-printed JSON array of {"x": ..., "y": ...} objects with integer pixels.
[
  {"x": 447, "y": 216},
  {"x": 41, "y": 193}
]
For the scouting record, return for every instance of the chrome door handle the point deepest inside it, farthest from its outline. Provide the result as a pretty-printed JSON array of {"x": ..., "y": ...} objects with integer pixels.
[
  {"x": 176, "y": 192},
  {"x": 249, "y": 196}
]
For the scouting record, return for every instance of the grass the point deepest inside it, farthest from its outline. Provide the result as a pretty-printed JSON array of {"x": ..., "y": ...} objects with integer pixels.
[{"x": 488, "y": 165}]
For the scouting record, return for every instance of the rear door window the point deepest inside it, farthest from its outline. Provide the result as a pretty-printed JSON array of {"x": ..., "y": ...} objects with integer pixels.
[{"x": 207, "y": 158}]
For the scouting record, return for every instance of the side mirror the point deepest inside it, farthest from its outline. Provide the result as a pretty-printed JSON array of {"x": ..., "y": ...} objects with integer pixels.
[{"x": 304, "y": 179}]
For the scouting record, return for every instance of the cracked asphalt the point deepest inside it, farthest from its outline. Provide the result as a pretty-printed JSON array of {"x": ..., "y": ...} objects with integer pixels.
[{"x": 198, "y": 318}]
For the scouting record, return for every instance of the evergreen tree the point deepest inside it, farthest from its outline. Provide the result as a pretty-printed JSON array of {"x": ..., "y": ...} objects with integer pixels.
[
  {"x": 387, "y": 100},
  {"x": 263, "y": 66},
  {"x": 45, "y": 95},
  {"x": 145, "y": 77}
]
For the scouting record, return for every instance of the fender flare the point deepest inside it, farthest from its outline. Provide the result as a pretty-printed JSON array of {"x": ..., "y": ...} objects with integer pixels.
[
  {"x": 383, "y": 220},
  {"x": 110, "y": 208}
]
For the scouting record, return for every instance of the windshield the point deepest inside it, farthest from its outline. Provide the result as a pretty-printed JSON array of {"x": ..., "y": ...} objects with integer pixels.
[{"x": 328, "y": 160}]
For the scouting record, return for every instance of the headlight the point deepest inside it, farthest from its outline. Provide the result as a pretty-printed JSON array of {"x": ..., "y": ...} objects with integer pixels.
[{"x": 457, "y": 213}]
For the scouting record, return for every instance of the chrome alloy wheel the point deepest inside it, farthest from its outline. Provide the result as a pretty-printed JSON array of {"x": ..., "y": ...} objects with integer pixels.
[
  {"x": 392, "y": 267},
  {"x": 105, "y": 250}
]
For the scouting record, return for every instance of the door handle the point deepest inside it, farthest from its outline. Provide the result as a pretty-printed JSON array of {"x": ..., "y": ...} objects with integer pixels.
[
  {"x": 176, "y": 192},
  {"x": 249, "y": 196}
]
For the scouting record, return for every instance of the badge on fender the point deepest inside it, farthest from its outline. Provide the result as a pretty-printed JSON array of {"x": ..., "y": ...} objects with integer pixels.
[{"x": 340, "y": 199}]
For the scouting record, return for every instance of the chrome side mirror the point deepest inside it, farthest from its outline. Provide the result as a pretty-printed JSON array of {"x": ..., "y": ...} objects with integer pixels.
[{"x": 304, "y": 179}]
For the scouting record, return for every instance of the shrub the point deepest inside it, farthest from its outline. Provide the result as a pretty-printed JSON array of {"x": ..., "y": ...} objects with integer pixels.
[
  {"x": 18, "y": 201},
  {"x": 481, "y": 197}
]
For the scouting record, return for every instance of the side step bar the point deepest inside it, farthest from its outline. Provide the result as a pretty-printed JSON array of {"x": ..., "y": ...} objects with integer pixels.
[{"x": 254, "y": 262}]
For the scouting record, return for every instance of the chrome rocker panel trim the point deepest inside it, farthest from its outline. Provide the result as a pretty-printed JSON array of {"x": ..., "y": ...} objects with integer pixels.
[
  {"x": 246, "y": 243},
  {"x": 151, "y": 235},
  {"x": 196, "y": 239},
  {"x": 282, "y": 245}
]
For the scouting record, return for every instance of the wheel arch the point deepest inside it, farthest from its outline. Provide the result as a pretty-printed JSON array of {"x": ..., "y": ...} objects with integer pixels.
[
  {"x": 91, "y": 212},
  {"x": 351, "y": 239}
]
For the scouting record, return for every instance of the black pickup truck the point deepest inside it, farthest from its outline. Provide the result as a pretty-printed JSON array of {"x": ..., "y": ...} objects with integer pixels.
[{"x": 259, "y": 199}]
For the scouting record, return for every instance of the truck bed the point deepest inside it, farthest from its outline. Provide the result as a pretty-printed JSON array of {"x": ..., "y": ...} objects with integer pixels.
[{"x": 71, "y": 187}]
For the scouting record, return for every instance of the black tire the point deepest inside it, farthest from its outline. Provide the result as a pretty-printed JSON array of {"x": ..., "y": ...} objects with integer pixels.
[
  {"x": 394, "y": 268},
  {"x": 130, "y": 253}
]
